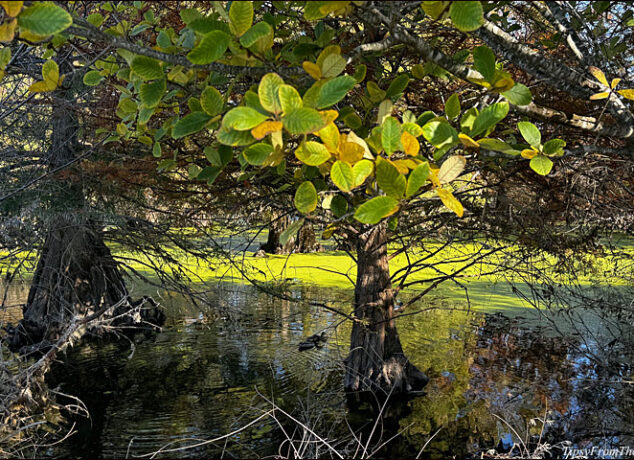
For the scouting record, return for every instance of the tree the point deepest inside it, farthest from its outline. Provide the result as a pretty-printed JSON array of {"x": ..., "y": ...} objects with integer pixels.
[{"x": 314, "y": 101}]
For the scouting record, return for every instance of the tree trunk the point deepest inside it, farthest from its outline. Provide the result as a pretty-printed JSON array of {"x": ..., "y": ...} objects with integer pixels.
[
  {"x": 376, "y": 360},
  {"x": 76, "y": 275},
  {"x": 304, "y": 241}
]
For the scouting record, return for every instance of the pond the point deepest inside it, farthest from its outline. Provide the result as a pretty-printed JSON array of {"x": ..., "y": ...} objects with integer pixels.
[{"x": 498, "y": 371}]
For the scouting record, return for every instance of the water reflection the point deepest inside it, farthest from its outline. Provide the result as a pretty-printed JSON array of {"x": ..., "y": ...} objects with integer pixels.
[{"x": 494, "y": 378}]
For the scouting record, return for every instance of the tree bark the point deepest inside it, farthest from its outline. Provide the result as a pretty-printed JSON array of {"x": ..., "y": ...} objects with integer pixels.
[
  {"x": 76, "y": 275},
  {"x": 304, "y": 241},
  {"x": 376, "y": 360}
]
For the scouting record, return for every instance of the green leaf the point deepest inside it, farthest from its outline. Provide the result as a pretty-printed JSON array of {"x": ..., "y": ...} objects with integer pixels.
[
  {"x": 466, "y": 16},
  {"x": 234, "y": 138},
  {"x": 342, "y": 176},
  {"x": 334, "y": 90},
  {"x": 452, "y": 106},
  {"x": 306, "y": 198},
  {"x": 290, "y": 231},
  {"x": 391, "y": 135},
  {"x": 554, "y": 147},
  {"x": 376, "y": 93},
  {"x": 338, "y": 205},
  {"x": 242, "y": 118},
  {"x": 389, "y": 179},
  {"x": 257, "y": 32},
  {"x": 424, "y": 117},
  {"x": 312, "y": 153},
  {"x": 95, "y": 19},
  {"x": 434, "y": 9},
  {"x": 312, "y": 10},
  {"x": 497, "y": 146},
  {"x": 530, "y": 133},
  {"x": 152, "y": 93},
  {"x": 303, "y": 121},
  {"x": 205, "y": 25},
  {"x": 190, "y": 124},
  {"x": 211, "y": 101},
  {"x": 519, "y": 94},
  {"x": 241, "y": 17},
  {"x": 146, "y": 68},
  {"x": 289, "y": 98},
  {"x": 489, "y": 117},
  {"x": 333, "y": 65},
  {"x": 193, "y": 171},
  {"x": 541, "y": 164},
  {"x": 359, "y": 73},
  {"x": 209, "y": 174},
  {"x": 361, "y": 170},
  {"x": 440, "y": 134},
  {"x": 268, "y": 91},
  {"x": 189, "y": 15},
  {"x": 44, "y": 18},
  {"x": 397, "y": 86},
  {"x": 211, "y": 48},
  {"x": 484, "y": 61},
  {"x": 417, "y": 179},
  {"x": 413, "y": 128},
  {"x": 92, "y": 78},
  {"x": 257, "y": 154},
  {"x": 156, "y": 150},
  {"x": 372, "y": 211}
]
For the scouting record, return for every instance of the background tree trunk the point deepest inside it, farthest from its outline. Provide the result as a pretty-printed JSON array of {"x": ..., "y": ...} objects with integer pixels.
[
  {"x": 304, "y": 241},
  {"x": 376, "y": 360}
]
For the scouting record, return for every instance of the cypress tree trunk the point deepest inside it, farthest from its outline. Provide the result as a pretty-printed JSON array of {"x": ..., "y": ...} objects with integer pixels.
[
  {"x": 304, "y": 241},
  {"x": 376, "y": 360},
  {"x": 276, "y": 227},
  {"x": 76, "y": 274}
]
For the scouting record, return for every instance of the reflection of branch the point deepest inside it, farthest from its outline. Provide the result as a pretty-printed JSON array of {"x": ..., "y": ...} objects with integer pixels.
[{"x": 164, "y": 449}]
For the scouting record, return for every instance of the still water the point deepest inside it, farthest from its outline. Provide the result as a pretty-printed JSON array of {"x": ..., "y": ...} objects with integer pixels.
[{"x": 498, "y": 371}]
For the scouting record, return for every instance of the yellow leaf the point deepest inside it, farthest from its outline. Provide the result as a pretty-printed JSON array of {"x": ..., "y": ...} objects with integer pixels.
[
  {"x": 30, "y": 36},
  {"x": 467, "y": 141},
  {"x": 627, "y": 93},
  {"x": 7, "y": 30},
  {"x": 330, "y": 230},
  {"x": 50, "y": 74},
  {"x": 39, "y": 87},
  {"x": 403, "y": 166},
  {"x": 597, "y": 96},
  {"x": 329, "y": 115},
  {"x": 599, "y": 75},
  {"x": 529, "y": 153},
  {"x": 274, "y": 159},
  {"x": 122, "y": 129},
  {"x": 615, "y": 81},
  {"x": 451, "y": 168},
  {"x": 329, "y": 135},
  {"x": 265, "y": 128},
  {"x": 277, "y": 140},
  {"x": 502, "y": 81},
  {"x": 350, "y": 152},
  {"x": 410, "y": 144},
  {"x": 331, "y": 7},
  {"x": 433, "y": 176},
  {"x": 450, "y": 201},
  {"x": 312, "y": 69},
  {"x": 12, "y": 8}
]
